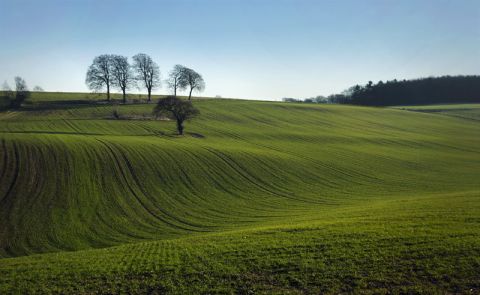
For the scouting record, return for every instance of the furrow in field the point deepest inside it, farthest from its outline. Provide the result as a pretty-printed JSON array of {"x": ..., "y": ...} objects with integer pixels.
[
  {"x": 4, "y": 167},
  {"x": 149, "y": 199},
  {"x": 6, "y": 206},
  {"x": 152, "y": 210},
  {"x": 250, "y": 178}
]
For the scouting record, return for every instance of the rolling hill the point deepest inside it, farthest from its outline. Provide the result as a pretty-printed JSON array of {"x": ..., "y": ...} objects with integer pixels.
[{"x": 256, "y": 197}]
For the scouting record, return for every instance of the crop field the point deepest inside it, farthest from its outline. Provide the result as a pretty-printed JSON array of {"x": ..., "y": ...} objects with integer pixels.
[{"x": 256, "y": 197}]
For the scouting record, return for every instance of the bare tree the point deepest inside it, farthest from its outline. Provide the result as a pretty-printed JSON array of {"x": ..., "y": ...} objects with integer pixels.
[
  {"x": 20, "y": 85},
  {"x": 176, "y": 79},
  {"x": 21, "y": 92},
  {"x": 146, "y": 72},
  {"x": 176, "y": 109},
  {"x": 122, "y": 74},
  {"x": 99, "y": 74},
  {"x": 38, "y": 89},
  {"x": 194, "y": 81}
]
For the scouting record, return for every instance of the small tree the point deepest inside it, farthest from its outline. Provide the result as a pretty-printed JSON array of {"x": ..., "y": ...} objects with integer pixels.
[
  {"x": 194, "y": 81},
  {"x": 99, "y": 74},
  {"x": 177, "y": 79},
  {"x": 38, "y": 89},
  {"x": 21, "y": 92},
  {"x": 146, "y": 72},
  {"x": 176, "y": 109}
]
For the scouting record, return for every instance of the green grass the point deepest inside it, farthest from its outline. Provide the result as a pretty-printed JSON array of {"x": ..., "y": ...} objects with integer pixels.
[
  {"x": 465, "y": 111},
  {"x": 258, "y": 197}
]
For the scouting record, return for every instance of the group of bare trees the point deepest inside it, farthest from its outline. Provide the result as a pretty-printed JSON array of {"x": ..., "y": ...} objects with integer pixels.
[
  {"x": 15, "y": 98},
  {"x": 181, "y": 78},
  {"x": 108, "y": 70}
]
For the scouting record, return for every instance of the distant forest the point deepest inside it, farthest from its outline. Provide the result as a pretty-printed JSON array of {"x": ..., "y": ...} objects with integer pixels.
[{"x": 432, "y": 90}]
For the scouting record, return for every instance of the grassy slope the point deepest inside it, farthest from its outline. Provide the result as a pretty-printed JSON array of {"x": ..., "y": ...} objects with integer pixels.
[
  {"x": 259, "y": 196},
  {"x": 465, "y": 111}
]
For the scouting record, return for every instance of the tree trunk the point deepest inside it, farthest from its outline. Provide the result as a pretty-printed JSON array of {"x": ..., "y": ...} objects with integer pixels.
[
  {"x": 124, "y": 97},
  {"x": 108, "y": 92},
  {"x": 175, "y": 84},
  {"x": 180, "y": 127},
  {"x": 190, "y": 94},
  {"x": 149, "y": 95}
]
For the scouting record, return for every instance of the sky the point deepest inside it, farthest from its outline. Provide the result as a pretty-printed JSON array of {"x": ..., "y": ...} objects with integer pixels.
[{"x": 263, "y": 49}]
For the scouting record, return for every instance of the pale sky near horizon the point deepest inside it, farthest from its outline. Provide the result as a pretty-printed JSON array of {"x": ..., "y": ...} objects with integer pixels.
[{"x": 263, "y": 49}]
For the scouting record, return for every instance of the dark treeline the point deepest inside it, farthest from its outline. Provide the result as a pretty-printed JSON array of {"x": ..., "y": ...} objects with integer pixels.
[{"x": 432, "y": 90}]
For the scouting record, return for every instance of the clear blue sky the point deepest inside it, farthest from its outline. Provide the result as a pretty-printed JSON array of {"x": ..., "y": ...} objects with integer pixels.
[{"x": 264, "y": 49}]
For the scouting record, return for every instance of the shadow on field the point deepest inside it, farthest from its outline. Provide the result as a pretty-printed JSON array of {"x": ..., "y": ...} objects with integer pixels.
[{"x": 195, "y": 135}]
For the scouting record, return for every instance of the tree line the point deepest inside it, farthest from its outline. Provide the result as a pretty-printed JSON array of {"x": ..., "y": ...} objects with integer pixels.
[
  {"x": 431, "y": 90},
  {"x": 114, "y": 71}
]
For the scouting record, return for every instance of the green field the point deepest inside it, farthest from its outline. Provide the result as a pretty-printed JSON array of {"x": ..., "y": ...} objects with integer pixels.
[{"x": 257, "y": 197}]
